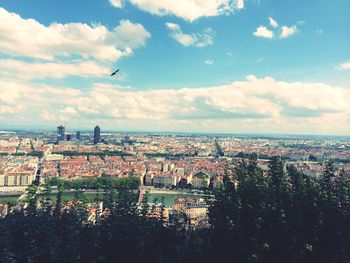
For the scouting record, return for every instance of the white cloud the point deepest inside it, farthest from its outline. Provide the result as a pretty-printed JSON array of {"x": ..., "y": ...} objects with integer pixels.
[
  {"x": 128, "y": 34},
  {"x": 344, "y": 66},
  {"x": 46, "y": 116},
  {"x": 253, "y": 104},
  {"x": 29, "y": 38},
  {"x": 285, "y": 31},
  {"x": 189, "y": 10},
  {"x": 288, "y": 31},
  {"x": 202, "y": 39},
  {"x": 117, "y": 3},
  {"x": 10, "y": 68},
  {"x": 28, "y": 101},
  {"x": 173, "y": 26},
  {"x": 273, "y": 22},
  {"x": 262, "y": 31},
  {"x": 240, "y": 4},
  {"x": 68, "y": 110},
  {"x": 209, "y": 62}
]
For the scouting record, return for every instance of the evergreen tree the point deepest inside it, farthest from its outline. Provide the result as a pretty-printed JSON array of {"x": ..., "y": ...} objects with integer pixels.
[
  {"x": 277, "y": 177},
  {"x": 327, "y": 179}
]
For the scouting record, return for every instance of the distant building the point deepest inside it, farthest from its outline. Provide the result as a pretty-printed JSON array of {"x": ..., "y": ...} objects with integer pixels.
[
  {"x": 126, "y": 141},
  {"x": 149, "y": 179},
  {"x": 193, "y": 208},
  {"x": 21, "y": 178},
  {"x": 2, "y": 180},
  {"x": 97, "y": 135},
  {"x": 200, "y": 180},
  {"x": 164, "y": 180},
  {"x": 54, "y": 157},
  {"x": 78, "y": 135},
  {"x": 60, "y": 133},
  {"x": 159, "y": 211},
  {"x": 180, "y": 172},
  {"x": 69, "y": 137},
  {"x": 67, "y": 143}
]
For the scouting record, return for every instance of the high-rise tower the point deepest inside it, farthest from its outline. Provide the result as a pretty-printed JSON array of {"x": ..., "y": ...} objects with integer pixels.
[
  {"x": 78, "y": 135},
  {"x": 60, "y": 133},
  {"x": 97, "y": 135}
]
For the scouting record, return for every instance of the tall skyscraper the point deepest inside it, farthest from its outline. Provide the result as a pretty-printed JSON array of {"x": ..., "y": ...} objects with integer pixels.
[
  {"x": 60, "y": 133},
  {"x": 78, "y": 135},
  {"x": 97, "y": 135}
]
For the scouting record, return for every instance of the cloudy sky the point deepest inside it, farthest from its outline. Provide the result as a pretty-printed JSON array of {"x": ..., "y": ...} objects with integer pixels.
[{"x": 230, "y": 66}]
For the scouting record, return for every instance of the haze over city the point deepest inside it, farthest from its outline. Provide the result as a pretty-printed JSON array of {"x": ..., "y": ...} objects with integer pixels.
[{"x": 195, "y": 66}]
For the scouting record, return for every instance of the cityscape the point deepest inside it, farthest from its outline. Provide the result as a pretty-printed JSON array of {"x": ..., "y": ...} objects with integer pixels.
[
  {"x": 169, "y": 131},
  {"x": 169, "y": 164}
]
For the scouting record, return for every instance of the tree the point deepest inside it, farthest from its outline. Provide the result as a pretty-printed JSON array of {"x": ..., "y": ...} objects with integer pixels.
[
  {"x": 277, "y": 177},
  {"x": 327, "y": 179},
  {"x": 58, "y": 205},
  {"x": 32, "y": 199},
  {"x": 109, "y": 196},
  {"x": 144, "y": 204}
]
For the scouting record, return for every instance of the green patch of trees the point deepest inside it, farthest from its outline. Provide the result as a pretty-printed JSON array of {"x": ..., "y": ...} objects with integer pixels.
[
  {"x": 11, "y": 201},
  {"x": 36, "y": 153},
  {"x": 281, "y": 216},
  {"x": 264, "y": 156},
  {"x": 242, "y": 155},
  {"x": 18, "y": 154},
  {"x": 96, "y": 182}
]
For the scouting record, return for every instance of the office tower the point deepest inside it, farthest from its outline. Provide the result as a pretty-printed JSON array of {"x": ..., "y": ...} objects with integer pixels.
[
  {"x": 69, "y": 137},
  {"x": 78, "y": 135},
  {"x": 60, "y": 133},
  {"x": 97, "y": 135}
]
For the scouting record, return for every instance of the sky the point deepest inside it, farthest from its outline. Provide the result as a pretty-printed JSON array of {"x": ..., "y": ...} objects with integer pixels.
[{"x": 216, "y": 66}]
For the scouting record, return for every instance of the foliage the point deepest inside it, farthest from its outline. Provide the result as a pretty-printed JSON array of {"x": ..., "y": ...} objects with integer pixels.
[
  {"x": 36, "y": 153},
  {"x": 18, "y": 154},
  {"x": 277, "y": 216},
  {"x": 219, "y": 151},
  {"x": 281, "y": 216},
  {"x": 97, "y": 182}
]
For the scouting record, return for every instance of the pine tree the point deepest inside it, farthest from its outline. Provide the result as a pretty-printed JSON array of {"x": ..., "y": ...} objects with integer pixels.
[
  {"x": 277, "y": 177},
  {"x": 144, "y": 204},
  {"x": 58, "y": 204}
]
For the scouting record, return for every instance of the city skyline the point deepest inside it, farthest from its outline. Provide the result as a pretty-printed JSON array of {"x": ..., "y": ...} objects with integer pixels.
[{"x": 213, "y": 66}]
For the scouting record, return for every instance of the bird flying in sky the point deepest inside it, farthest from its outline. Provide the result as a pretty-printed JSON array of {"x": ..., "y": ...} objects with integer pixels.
[{"x": 115, "y": 72}]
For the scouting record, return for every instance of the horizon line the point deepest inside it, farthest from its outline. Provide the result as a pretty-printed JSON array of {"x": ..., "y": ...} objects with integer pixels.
[{"x": 261, "y": 134}]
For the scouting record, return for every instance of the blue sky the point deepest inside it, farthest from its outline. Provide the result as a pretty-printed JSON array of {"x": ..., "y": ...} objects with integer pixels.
[{"x": 237, "y": 66}]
